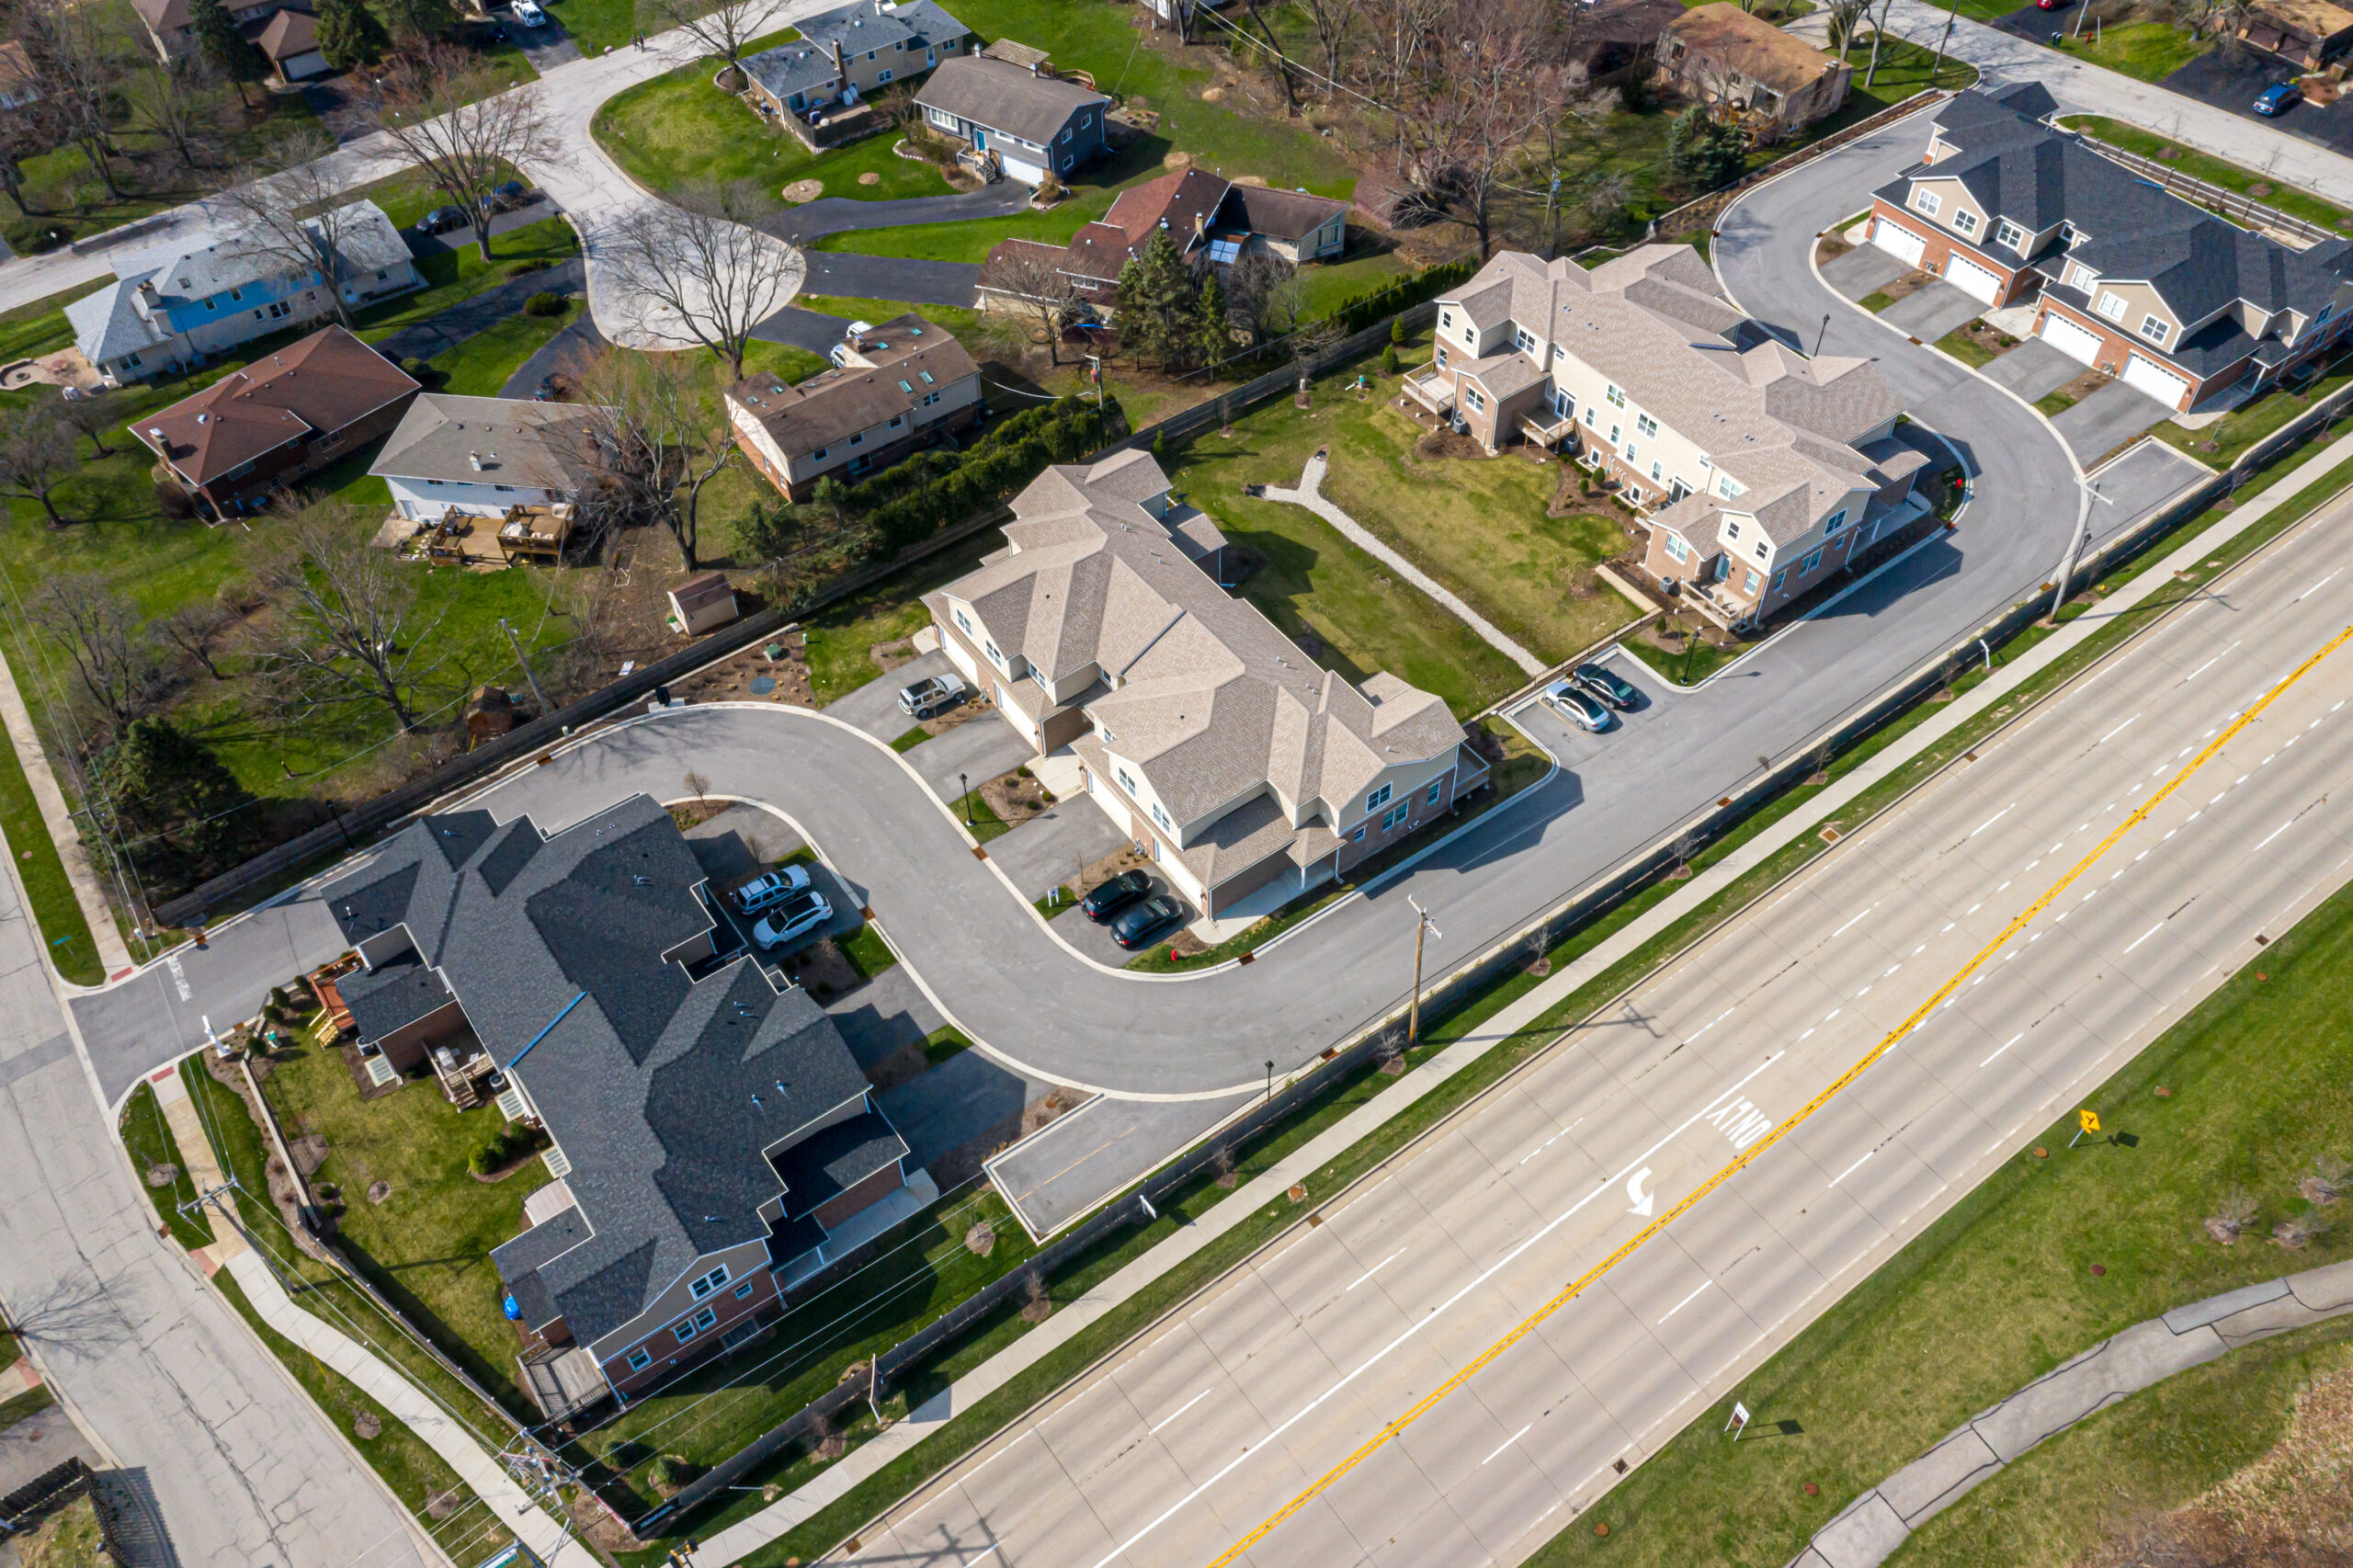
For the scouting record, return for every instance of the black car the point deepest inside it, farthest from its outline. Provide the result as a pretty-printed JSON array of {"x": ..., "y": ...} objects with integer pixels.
[
  {"x": 440, "y": 221},
  {"x": 1608, "y": 685},
  {"x": 511, "y": 195},
  {"x": 1148, "y": 922},
  {"x": 1115, "y": 896}
]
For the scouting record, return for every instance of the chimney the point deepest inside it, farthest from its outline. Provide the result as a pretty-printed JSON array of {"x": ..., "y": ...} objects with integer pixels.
[
  {"x": 1033, "y": 68},
  {"x": 475, "y": 459},
  {"x": 840, "y": 64}
]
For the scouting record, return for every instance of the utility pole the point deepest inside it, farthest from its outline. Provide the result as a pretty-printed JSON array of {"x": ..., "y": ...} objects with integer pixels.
[
  {"x": 1819, "y": 333},
  {"x": 2075, "y": 543},
  {"x": 1414, "y": 1014},
  {"x": 1097, "y": 361},
  {"x": 514, "y": 642}
]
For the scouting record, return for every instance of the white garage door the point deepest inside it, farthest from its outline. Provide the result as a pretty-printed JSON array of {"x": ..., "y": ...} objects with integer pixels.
[
  {"x": 1022, "y": 168},
  {"x": 2075, "y": 342},
  {"x": 2146, "y": 375},
  {"x": 960, "y": 659},
  {"x": 1972, "y": 280},
  {"x": 1898, "y": 242}
]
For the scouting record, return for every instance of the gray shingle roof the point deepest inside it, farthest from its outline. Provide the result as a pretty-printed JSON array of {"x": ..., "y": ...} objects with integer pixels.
[
  {"x": 907, "y": 359},
  {"x": 1005, "y": 97},
  {"x": 826, "y": 1163},
  {"x": 667, "y": 1095},
  {"x": 808, "y": 61},
  {"x": 393, "y": 995},
  {"x": 544, "y": 446},
  {"x": 107, "y": 325}
]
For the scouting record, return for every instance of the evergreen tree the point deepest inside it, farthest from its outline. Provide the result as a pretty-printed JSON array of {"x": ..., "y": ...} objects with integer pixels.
[
  {"x": 1708, "y": 152},
  {"x": 177, "y": 804},
  {"x": 1213, "y": 333},
  {"x": 1397, "y": 330},
  {"x": 224, "y": 47},
  {"x": 1157, "y": 302},
  {"x": 411, "y": 20},
  {"x": 349, "y": 34}
]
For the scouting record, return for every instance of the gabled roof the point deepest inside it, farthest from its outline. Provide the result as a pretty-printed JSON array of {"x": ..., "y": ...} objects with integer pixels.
[
  {"x": 808, "y": 61},
  {"x": 325, "y": 382},
  {"x": 669, "y": 1096},
  {"x": 287, "y": 33},
  {"x": 1285, "y": 215},
  {"x": 364, "y": 234},
  {"x": 910, "y": 358},
  {"x": 107, "y": 325},
  {"x": 1005, "y": 97},
  {"x": 544, "y": 446},
  {"x": 1752, "y": 46}
]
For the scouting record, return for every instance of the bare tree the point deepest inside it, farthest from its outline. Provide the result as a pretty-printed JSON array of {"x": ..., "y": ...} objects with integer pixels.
[
  {"x": 1844, "y": 16},
  {"x": 1499, "y": 88},
  {"x": 724, "y": 29},
  {"x": 36, "y": 456},
  {"x": 193, "y": 628},
  {"x": 25, "y": 132},
  {"x": 77, "y": 57},
  {"x": 176, "y": 101},
  {"x": 94, "y": 414},
  {"x": 1264, "y": 292},
  {"x": 700, "y": 272},
  {"x": 349, "y": 629},
  {"x": 115, "y": 662},
  {"x": 654, "y": 438},
  {"x": 1037, "y": 291},
  {"x": 288, "y": 213},
  {"x": 1272, "y": 55},
  {"x": 431, "y": 102},
  {"x": 1334, "y": 24}
]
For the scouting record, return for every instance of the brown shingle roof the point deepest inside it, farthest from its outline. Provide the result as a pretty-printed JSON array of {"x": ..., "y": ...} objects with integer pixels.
[
  {"x": 327, "y": 380},
  {"x": 288, "y": 34},
  {"x": 839, "y": 402},
  {"x": 1753, "y": 47},
  {"x": 1286, "y": 214}
]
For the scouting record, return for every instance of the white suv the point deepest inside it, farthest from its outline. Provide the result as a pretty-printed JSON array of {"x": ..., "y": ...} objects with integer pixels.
[{"x": 796, "y": 916}]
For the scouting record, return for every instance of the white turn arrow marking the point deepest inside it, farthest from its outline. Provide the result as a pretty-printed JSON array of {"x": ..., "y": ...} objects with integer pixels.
[{"x": 1645, "y": 1203}]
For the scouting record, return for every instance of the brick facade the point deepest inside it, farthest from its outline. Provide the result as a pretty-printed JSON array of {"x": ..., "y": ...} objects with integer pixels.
[
  {"x": 728, "y": 1310},
  {"x": 1939, "y": 247}
]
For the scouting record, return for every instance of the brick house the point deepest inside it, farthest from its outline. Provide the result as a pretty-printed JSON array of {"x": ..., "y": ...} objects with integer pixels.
[
  {"x": 2309, "y": 32},
  {"x": 2180, "y": 303},
  {"x": 714, "y": 1141},
  {"x": 1757, "y": 470},
  {"x": 1211, "y": 738},
  {"x": 281, "y": 418},
  {"x": 893, "y": 390}
]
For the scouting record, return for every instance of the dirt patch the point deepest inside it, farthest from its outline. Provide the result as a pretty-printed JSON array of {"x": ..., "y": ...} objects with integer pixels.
[
  {"x": 310, "y": 1152},
  {"x": 162, "y": 1175},
  {"x": 869, "y": 178},
  {"x": 1910, "y": 283},
  {"x": 367, "y": 1424},
  {"x": 596, "y": 1521},
  {"x": 1444, "y": 443},
  {"x": 823, "y": 970},
  {"x": 1187, "y": 945},
  {"x": 380, "y": 1191},
  {"x": 1830, "y": 247},
  {"x": 962, "y": 714},
  {"x": 889, "y": 656},
  {"x": 981, "y": 1240},
  {"x": 901, "y": 1066},
  {"x": 693, "y": 814},
  {"x": 2083, "y": 386},
  {"x": 737, "y": 678},
  {"x": 803, "y": 191},
  {"x": 1016, "y": 797},
  {"x": 441, "y": 1505},
  {"x": 1575, "y": 493}
]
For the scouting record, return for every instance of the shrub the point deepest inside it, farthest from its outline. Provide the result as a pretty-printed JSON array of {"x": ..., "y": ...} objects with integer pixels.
[
  {"x": 524, "y": 269},
  {"x": 484, "y": 1160},
  {"x": 415, "y": 367},
  {"x": 1397, "y": 331},
  {"x": 544, "y": 304},
  {"x": 1389, "y": 360}
]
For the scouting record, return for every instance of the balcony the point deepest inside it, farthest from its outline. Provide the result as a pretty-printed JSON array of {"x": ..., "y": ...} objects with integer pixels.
[
  {"x": 1433, "y": 388},
  {"x": 1546, "y": 430}
]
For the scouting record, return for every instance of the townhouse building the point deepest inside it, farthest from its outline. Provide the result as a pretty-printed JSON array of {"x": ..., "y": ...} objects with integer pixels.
[
  {"x": 1224, "y": 752},
  {"x": 2178, "y": 302},
  {"x": 1758, "y": 472}
]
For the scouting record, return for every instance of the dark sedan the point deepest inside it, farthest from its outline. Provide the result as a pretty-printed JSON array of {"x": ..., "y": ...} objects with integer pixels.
[
  {"x": 1148, "y": 922},
  {"x": 1109, "y": 898},
  {"x": 1607, "y": 684},
  {"x": 440, "y": 221}
]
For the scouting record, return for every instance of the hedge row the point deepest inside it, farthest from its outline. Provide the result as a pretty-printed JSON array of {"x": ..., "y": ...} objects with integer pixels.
[
  {"x": 1362, "y": 311},
  {"x": 908, "y": 503}
]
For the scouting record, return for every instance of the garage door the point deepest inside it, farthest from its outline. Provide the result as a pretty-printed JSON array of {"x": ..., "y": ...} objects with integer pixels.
[
  {"x": 960, "y": 659},
  {"x": 1022, "y": 169},
  {"x": 2075, "y": 342},
  {"x": 2146, "y": 375},
  {"x": 1898, "y": 242},
  {"x": 1972, "y": 280}
]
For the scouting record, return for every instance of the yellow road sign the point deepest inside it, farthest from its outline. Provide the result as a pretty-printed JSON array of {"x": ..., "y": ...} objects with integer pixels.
[{"x": 2090, "y": 1119}]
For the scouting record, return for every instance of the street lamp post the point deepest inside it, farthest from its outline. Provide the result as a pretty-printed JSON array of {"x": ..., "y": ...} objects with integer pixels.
[
  {"x": 965, "y": 785},
  {"x": 1414, "y": 1013},
  {"x": 1271, "y": 1080}
]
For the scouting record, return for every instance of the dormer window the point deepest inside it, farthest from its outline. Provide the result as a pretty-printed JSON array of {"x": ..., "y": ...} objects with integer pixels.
[
  {"x": 2008, "y": 234},
  {"x": 1833, "y": 523},
  {"x": 1964, "y": 221},
  {"x": 1928, "y": 201},
  {"x": 2155, "y": 330},
  {"x": 2111, "y": 306}
]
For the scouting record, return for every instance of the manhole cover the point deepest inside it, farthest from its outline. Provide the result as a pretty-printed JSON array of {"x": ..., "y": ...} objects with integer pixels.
[{"x": 763, "y": 685}]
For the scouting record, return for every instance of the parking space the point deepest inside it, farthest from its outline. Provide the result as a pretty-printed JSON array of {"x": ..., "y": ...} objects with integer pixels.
[
  {"x": 1071, "y": 1166},
  {"x": 2106, "y": 420},
  {"x": 874, "y": 707},
  {"x": 977, "y": 750},
  {"x": 2231, "y": 79},
  {"x": 1570, "y": 744},
  {"x": 2139, "y": 482},
  {"x": 1056, "y": 844},
  {"x": 968, "y": 1095},
  {"x": 884, "y": 1015},
  {"x": 1862, "y": 271},
  {"x": 731, "y": 848},
  {"x": 1929, "y": 313},
  {"x": 2033, "y": 370}
]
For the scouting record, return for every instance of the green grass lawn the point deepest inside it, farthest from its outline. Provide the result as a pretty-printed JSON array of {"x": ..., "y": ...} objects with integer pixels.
[
  {"x": 1876, "y": 301},
  {"x": 427, "y": 1246},
  {"x": 1966, "y": 349},
  {"x": 842, "y": 637},
  {"x": 2054, "y": 404},
  {"x": 2221, "y": 442},
  {"x": 979, "y": 817},
  {"x": 2149, "y": 51},
  {"x": 149, "y": 1138},
  {"x": 1904, "y": 68},
  {"x": 480, "y": 365},
  {"x": 64, "y": 931},
  {"x": 2261, "y": 1077},
  {"x": 2287, "y": 198},
  {"x": 867, "y": 952},
  {"x": 1698, "y": 660},
  {"x": 598, "y": 25}
]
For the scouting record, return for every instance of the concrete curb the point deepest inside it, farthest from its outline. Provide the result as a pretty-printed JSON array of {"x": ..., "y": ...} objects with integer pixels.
[{"x": 1871, "y": 1529}]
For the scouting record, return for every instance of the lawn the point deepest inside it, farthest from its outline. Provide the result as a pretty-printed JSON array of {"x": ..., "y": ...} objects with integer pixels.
[
  {"x": 1904, "y": 69},
  {"x": 598, "y": 26},
  {"x": 65, "y": 931},
  {"x": 2149, "y": 51},
  {"x": 842, "y": 637},
  {"x": 1698, "y": 659},
  {"x": 481, "y": 364},
  {"x": 148, "y": 1137},
  {"x": 2221, "y": 442},
  {"x": 2002, "y": 1284},
  {"x": 1965, "y": 348},
  {"x": 2287, "y": 198},
  {"x": 427, "y": 1245},
  {"x": 980, "y": 819}
]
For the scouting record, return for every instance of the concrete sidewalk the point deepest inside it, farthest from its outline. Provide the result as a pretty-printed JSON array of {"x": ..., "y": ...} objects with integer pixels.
[
  {"x": 1871, "y": 1529},
  {"x": 749, "y": 1535},
  {"x": 114, "y": 957}
]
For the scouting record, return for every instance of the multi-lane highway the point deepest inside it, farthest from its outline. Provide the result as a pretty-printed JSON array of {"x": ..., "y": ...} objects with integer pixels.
[{"x": 1291, "y": 1412}]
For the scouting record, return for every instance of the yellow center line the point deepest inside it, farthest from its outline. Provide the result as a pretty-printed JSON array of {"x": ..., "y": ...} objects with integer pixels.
[{"x": 1895, "y": 1037}]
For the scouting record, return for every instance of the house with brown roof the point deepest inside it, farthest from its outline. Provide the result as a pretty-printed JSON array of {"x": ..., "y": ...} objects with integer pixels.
[
  {"x": 288, "y": 40},
  {"x": 1760, "y": 472},
  {"x": 171, "y": 26},
  {"x": 893, "y": 389},
  {"x": 281, "y": 417},
  {"x": 1721, "y": 55},
  {"x": 2309, "y": 32},
  {"x": 1224, "y": 751}
]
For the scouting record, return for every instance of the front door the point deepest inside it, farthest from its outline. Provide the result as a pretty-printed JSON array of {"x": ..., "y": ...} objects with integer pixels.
[
  {"x": 1563, "y": 404},
  {"x": 980, "y": 140}
]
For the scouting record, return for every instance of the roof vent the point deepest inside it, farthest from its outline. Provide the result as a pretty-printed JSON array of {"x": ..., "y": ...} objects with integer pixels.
[
  {"x": 204, "y": 419},
  {"x": 475, "y": 459},
  {"x": 154, "y": 432}
]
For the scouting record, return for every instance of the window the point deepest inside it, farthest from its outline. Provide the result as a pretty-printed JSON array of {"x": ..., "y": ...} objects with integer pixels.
[
  {"x": 683, "y": 1329},
  {"x": 1677, "y": 550},
  {"x": 1633, "y": 451},
  {"x": 994, "y": 657},
  {"x": 897, "y": 420},
  {"x": 1446, "y": 319},
  {"x": 1357, "y": 838},
  {"x": 818, "y": 456},
  {"x": 905, "y": 388},
  {"x": 2111, "y": 306},
  {"x": 1616, "y": 395},
  {"x": 1778, "y": 577},
  {"x": 745, "y": 1289},
  {"x": 858, "y": 439},
  {"x": 2156, "y": 331},
  {"x": 1442, "y": 355},
  {"x": 1617, "y": 433},
  {"x": 925, "y": 377},
  {"x": 1161, "y": 817},
  {"x": 1763, "y": 550},
  {"x": 640, "y": 1358},
  {"x": 1396, "y": 815},
  {"x": 236, "y": 294},
  {"x": 1646, "y": 425},
  {"x": 1066, "y": 135},
  {"x": 2008, "y": 234},
  {"x": 1748, "y": 584},
  {"x": 1965, "y": 222},
  {"x": 1833, "y": 523},
  {"x": 1127, "y": 783},
  {"x": 1470, "y": 336},
  {"x": 708, "y": 1283},
  {"x": 885, "y": 75},
  {"x": 1928, "y": 201},
  {"x": 1658, "y": 473},
  {"x": 963, "y": 620},
  {"x": 1472, "y": 396},
  {"x": 1813, "y": 561},
  {"x": 1435, "y": 785},
  {"x": 1378, "y": 799},
  {"x": 1591, "y": 423},
  {"x": 1727, "y": 486},
  {"x": 1525, "y": 339},
  {"x": 1731, "y": 529},
  {"x": 706, "y": 1317}
]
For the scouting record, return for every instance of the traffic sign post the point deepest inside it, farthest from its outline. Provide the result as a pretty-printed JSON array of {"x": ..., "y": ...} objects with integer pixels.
[
  {"x": 2085, "y": 1122},
  {"x": 1738, "y": 1425}
]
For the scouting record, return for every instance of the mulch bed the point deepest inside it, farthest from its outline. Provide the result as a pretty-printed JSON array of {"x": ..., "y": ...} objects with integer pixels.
[
  {"x": 1445, "y": 443},
  {"x": 1014, "y": 799},
  {"x": 1910, "y": 283},
  {"x": 731, "y": 679},
  {"x": 821, "y": 969},
  {"x": 1993, "y": 339}
]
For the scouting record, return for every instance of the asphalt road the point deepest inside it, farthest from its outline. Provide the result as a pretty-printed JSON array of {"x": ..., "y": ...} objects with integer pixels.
[
  {"x": 243, "y": 1468},
  {"x": 1228, "y": 1412},
  {"x": 1054, "y": 1015}
]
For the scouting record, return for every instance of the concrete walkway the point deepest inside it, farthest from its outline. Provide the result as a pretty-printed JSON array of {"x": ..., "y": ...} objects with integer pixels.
[
  {"x": 1267, "y": 1190},
  {"x": 2003, "y": 57},
  {"x": 1876, "y": 1525},
  {"x": 1310, "y": 495},
  {"x": 114, "y": 957}
]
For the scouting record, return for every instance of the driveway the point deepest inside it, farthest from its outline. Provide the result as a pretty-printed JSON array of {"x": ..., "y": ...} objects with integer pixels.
[
  {"x": 546, "y": 46},
  {"x": 2137, "y": 484},
  {"x": 447, "y": 329},
  {"x": 903, "y": 278},
  {"x": 2033, "y": 370},
  {"x": 423, "y": 245},
  {"x": 2229, "y": 79},
  {"x": 2107, "y": 419},
  {"x": 1930, "y": 312},
  {"x": 1054, "y": 847},
  {"x": 809, "y": 223},
  {"x": 962, "y": 1098},
  {"x": 1862, "y": 271},
  {"x": 796, "y": 328},
  {"x": 1055, "y": 1176},
  {"x": 974, "y": 751},
  {"x": 569, "y": 352},
  {"x": 874, "y": 707}
]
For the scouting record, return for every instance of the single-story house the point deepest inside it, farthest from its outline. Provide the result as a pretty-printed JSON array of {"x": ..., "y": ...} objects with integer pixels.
[
  {"x": 842, "y": 55},
  {"x": 288, "y": 40},
  {"x": 1026, "y": 120},
  {"x": 171, "y": 26},
  {"x": 2309, "y": 32},
  {"x": 1720, "y": 53},
  {"x": 281, "y": 417},
  {"x": 713, "y": 1140},
  {"x": 168, "y": 312},
  {"x": 1232, "y": 760},
  {"x": 2124, "y": 276},
  {"x": 483, "y": 456},
  {"x": 893, "y": 389}
]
